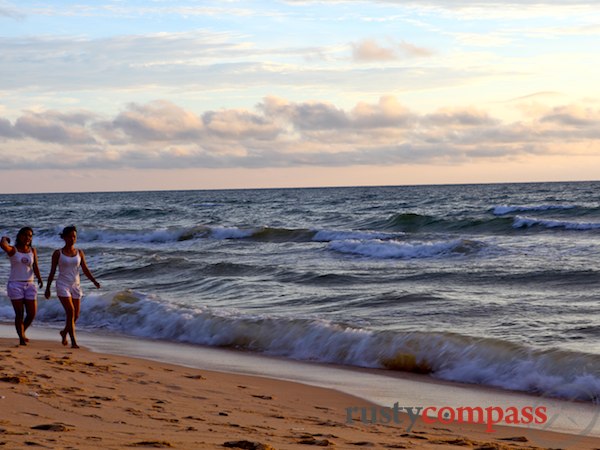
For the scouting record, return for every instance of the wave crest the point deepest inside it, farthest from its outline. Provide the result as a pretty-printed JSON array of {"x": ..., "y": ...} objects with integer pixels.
[{"x": 445, "y": 355}]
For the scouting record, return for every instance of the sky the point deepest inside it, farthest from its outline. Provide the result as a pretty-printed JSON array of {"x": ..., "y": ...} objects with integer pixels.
[{"x": 113, "y": 95}]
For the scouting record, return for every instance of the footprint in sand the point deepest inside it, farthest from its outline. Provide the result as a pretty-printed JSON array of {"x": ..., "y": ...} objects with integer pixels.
[
  {"x": 247, "y": 445},
  {"x": 14, "y": 379},
  {"x": 52, "y": 427},
  {"x": 195, "y": 377},
  {"x": 154, "y": 444}
]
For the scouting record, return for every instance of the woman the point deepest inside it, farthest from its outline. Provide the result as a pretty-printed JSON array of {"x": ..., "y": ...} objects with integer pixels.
[
  {"x": 68, "y": 260},
  {"x": 20, "y": 288}
]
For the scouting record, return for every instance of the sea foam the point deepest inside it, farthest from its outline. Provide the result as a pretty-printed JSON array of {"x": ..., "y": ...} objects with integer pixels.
[
  {"x": 527, "y": 222},
  {"x": 445, "y": 355}
]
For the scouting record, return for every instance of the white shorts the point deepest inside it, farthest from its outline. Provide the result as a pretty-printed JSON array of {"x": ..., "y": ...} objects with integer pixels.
[
  {"x": 19, "y": 290},
  {"x": 68, "y": 290}
]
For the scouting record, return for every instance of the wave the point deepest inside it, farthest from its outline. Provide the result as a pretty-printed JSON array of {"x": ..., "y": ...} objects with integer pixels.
[
  {"x": 504, "y": 222},
  {"x": 529, "y": 222},
  {"x": 12, "y": 203},
  {"x": 136, "y": 213},
  {"x": 328, "y": 236},
  {"x": 406, "y": 250},
  {"x": 324, "y": 279},
  {"x": 387, "y": 231},
  {"x": 171, "y": 235},
  {"x": 413, "y": 223},
  {"x": 444, "y": 355},
  {"x": 508, "y": 209}
]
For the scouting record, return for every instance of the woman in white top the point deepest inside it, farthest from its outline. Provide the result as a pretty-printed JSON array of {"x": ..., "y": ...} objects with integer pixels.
[
  {"x": 20, "y": 288},
  {"x": 68, "y": 289}
]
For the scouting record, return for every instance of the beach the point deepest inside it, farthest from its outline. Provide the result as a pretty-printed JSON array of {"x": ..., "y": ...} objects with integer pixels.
[
  {"x": 56, "y": 397},
  {"x": 404, "y": 299}
]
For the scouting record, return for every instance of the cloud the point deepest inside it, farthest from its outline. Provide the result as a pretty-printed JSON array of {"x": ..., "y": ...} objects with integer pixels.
[
  {"x": 414, "y": 51},
  {"x": 387, "y": 112},
  {"x": 536, "y": 96},
  {"x": 458, "y": 4},
  {"x": 368, "y": 50},
  {"x": 158, "y": 121},
  {"x": 8, "y": 10},
  {"x": 459, "y": 117},
  {"x": 78, "y": 63},
  {"x": 306, "y": 116},
  {"x": 7, "y": 130},
  {"x": 573, "y": 116},
  {"x": 56, "y": 127},
  {"x": 283, "y": 133},
  {"x": 239, "y": 124}
]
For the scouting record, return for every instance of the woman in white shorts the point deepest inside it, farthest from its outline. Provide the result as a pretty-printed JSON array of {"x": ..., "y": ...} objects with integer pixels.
[
  {"x": 21, "y": 289},
  {"x": 68, "y": 288}
]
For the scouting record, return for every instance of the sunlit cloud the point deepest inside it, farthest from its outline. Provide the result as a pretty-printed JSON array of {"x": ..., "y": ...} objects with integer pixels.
[
  {"x": 281, "y": 133},
  {"x": 368, "y": 50}
]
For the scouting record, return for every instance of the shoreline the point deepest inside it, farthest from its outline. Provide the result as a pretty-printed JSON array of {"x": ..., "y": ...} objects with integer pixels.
[
  {"x": 378, "y": 386},
  {"x": 85, "y": 389}
]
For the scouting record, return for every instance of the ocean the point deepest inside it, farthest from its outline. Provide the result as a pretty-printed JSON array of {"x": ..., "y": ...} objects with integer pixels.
[{"x": 496, "y": 285}]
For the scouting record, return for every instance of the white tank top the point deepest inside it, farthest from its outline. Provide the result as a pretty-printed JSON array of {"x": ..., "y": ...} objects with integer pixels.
[
  {"x": 21, "y": 266},
  {"x": 68, "y": 268}
]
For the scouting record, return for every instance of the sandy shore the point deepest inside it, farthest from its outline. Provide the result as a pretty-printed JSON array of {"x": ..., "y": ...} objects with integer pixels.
[{"x": 56, "y": 397}]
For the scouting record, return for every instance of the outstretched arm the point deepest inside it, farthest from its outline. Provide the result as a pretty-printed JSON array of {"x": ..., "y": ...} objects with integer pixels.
[
  {"x": 36, "y": 269},
  {"x": 86, "y": 271},
  {"x": 55, "y": 257}
]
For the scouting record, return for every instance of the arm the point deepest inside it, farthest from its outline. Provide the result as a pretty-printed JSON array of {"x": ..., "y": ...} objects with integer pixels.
[
  {"x": 5, "y": 245},
  {"x": 86, "y": 271},
  {"x": 36, "y": 269},
  {"x": 55, "y": 257}
]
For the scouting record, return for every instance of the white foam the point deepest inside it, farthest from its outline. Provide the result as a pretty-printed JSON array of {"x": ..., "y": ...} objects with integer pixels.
[
  {"x": 230, "y": 232},
  {"x": 380, "y": 249},
  {"x": 527, "y": 222},
  {"x": 507, "y": 209},
  {"x": 157, "y": 236}
]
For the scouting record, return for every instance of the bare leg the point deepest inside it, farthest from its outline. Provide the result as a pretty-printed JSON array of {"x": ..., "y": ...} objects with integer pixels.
[
  {"x": 31, "y": 310},
  {"x": 63, "y": 335},
  {"x": 19, "y": 313},
  {"x": 67, "y": 303},
  {"x": 76, "y": 309}
]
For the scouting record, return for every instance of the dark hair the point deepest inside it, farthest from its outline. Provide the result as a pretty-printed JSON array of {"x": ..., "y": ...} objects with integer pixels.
[
  {"x": 22, "y": 232},
  {"x": 66, "y": 230}
]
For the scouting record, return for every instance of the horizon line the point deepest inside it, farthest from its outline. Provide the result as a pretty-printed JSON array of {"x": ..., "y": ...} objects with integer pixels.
[{"x": 302, "y": 187}]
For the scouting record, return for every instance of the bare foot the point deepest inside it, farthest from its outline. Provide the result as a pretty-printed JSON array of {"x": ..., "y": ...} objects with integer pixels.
[
  {"x": 63, "y": 334},
  {"x": 25, "y": 338},
  {"x": 74, "y": 346},
  {"x": 22, "y": 341}
]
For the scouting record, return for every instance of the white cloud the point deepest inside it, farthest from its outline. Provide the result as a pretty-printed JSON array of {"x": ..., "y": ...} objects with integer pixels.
[
  {"x": 10, "y": 11},
  {"x": 76, "y": 62}
]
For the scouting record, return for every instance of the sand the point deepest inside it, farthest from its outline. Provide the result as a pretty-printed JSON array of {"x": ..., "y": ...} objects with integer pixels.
[{"x": 56, "y": 397}]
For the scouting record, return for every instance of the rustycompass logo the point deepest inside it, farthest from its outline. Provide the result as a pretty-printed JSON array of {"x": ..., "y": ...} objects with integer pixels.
[{"x": 445, "y": 415}]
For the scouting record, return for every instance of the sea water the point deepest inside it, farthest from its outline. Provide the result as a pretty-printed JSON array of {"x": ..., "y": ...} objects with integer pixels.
[{"x": 497, "y": 285}]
